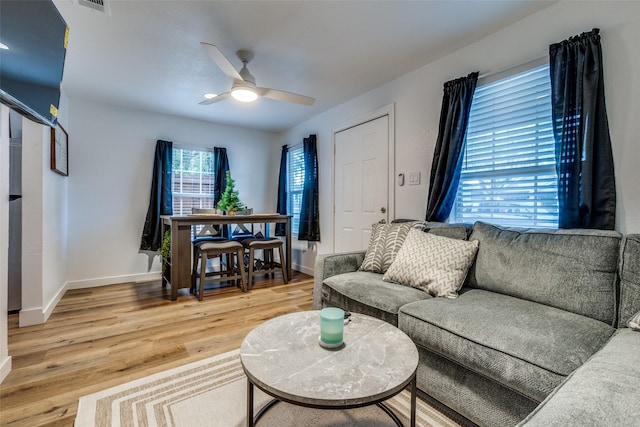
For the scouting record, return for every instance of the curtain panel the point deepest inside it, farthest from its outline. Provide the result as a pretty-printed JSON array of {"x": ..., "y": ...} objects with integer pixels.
[
  {"x": 220, "y": 168},
  {"x": 309, "y": 228},
  {"x": 584, "y": 160},
  {"x": 160, "y": 200},
  {"x": 449, "y": 151},
  {"x": 282, "y": 189}
]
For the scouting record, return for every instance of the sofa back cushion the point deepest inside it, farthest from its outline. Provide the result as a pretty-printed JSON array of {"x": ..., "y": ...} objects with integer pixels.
[
  {"x": 629, "y": 279},
  {"x": 574, "y": 270},
  {"x": 452, "y": 231}
]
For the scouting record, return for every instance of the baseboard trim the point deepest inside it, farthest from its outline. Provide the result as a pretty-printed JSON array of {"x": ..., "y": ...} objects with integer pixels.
[
  {"x": 112, "y": 280},
  {"x": 54, "y": 302},
  {"x": 302, "y": 269},
  {"x": 38, "y": 315},
  {"x": 5, "y": 368},
  {"x": 31, "y": 316}
]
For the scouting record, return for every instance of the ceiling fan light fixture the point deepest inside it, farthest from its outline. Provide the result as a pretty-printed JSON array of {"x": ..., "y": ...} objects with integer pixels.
[
  {"x": 244, "y": 87},
  {"x": 244, "y": 94}
]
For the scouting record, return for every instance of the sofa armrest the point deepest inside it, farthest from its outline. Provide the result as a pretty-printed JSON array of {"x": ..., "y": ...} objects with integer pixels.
[{"x": 328, "y": 265}]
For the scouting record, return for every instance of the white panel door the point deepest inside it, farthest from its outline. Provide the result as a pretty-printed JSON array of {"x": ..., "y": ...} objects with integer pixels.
[{"x": 361, "y": 183}]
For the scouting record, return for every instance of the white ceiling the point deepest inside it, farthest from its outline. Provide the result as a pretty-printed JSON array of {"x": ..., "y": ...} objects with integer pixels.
[{"x": 147, "y": 54}]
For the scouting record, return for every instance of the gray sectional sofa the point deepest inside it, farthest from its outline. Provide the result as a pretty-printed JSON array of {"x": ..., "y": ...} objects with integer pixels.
[{"x": 537, "y": 335}]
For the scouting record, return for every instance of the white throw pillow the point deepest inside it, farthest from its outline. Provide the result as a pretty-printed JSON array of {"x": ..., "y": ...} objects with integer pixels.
[
  {"x": 432, "y": 263},
  {"x": 634, "y": 322}
]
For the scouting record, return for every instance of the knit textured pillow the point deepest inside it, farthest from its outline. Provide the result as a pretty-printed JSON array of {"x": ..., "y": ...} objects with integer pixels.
[
  {"x": 435, "y": 264},
  {"x": 634, "y": 322},
  {"x": 385, "y": 242}
]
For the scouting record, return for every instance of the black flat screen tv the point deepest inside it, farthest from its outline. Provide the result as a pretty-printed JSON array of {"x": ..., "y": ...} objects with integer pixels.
[{"x": 31, "y": 68}]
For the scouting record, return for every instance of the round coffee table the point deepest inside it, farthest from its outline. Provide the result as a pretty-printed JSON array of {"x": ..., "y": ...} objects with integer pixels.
[{"x": 282, "y": 357}]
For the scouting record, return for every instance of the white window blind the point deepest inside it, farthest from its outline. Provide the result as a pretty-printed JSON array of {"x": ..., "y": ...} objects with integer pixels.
[
  {"x": 508, "y": 174},
  {"x": 295, "y": 184},
  {"x": 192, "y": 180}
]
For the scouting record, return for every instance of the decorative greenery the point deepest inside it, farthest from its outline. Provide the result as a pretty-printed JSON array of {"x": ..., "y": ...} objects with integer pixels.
[
  {"x": 230, "y": 200},
  {"x": 165, "y": 250}
]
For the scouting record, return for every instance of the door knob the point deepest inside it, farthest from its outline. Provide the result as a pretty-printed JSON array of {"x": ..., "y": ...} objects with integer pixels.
[{"x": 383, "y": 210}]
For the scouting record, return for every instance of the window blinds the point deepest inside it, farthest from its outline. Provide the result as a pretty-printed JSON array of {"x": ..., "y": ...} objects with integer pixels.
[
  {"x": 295, "y": 184},
  {"x": 192, "y": 180},
  {"x": 508, "y": 174}
]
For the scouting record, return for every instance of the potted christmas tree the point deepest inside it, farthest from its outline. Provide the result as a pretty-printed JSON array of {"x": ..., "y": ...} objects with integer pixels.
[{"x": 230, "y": 202}]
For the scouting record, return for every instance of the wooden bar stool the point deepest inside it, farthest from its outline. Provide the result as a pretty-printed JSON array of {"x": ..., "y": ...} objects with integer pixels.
[
  {"x": 270, "y": 266},
  {"x": 197, "y": 242},
  {"x": 226, "y": 273}
]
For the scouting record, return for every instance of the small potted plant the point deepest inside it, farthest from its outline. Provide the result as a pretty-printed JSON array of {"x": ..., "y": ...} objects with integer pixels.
[
  {"x": 230, "y": 201},
  {"x": 165, "y": 250}
]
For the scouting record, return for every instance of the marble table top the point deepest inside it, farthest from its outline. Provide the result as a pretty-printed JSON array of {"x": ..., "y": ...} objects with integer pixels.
[{"x": 282, "y": 357}]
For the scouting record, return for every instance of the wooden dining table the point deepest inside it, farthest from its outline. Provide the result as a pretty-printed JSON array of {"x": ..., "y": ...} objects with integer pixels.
[{"x": 181, "y": 234}]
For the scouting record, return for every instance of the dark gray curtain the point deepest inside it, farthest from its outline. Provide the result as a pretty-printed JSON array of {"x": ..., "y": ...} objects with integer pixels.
[
  {"x": 160, "y": 201},
  {"x": 220, "y": 168},
  {"x": 309, "y": 228},
  {"x": 584, "y": 161},
  {"x": 282, "y": 189},
  {"x": 449, "y": 151}
]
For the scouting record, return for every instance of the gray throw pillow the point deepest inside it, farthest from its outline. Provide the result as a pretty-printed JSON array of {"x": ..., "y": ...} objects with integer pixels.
[
  {"x": 385, "y": 242},
  {"x": 634, "y": 322},
  {"x": 435, "y": 264}
]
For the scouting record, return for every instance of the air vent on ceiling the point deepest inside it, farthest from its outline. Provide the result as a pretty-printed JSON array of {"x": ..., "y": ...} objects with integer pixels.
[{"x": 99, "y": 5}]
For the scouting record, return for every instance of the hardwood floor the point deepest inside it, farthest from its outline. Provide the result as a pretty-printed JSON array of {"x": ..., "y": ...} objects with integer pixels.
[{"x": 101, "y": 337}]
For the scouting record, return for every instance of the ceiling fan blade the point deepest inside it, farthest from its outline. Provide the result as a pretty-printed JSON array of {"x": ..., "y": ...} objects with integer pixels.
[
  {"x": 218, "y": 98},
  {"x": 282, "y": 95},
  {"x": 221, "y": 61}
]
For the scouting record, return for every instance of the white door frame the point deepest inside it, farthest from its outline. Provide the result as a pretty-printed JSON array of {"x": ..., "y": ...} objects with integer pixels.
[{"x": 388, "y": 110}]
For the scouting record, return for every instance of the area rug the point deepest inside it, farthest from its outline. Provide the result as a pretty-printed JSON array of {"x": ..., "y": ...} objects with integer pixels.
[{"x": 212, "y": 393}]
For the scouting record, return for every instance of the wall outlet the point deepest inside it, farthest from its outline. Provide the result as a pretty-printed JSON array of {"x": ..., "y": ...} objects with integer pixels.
[{"x": 414, "y": 178}]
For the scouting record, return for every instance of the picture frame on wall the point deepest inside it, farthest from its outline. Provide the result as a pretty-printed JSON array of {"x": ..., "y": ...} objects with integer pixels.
[{"x": 60, "y": 150}]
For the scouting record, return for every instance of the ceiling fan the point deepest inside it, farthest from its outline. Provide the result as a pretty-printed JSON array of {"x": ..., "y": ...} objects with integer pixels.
[{"x": 244, "y": 87}]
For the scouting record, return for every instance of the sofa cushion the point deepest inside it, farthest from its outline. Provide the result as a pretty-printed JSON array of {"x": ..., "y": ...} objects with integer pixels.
[
  {"x": 452, "y": 231},
  {"x": 386, "y": 240},
  {"x": 602, "y": 392},
  {"x": 629, "y": 279},
  {"x": 525, "y": 346},
  {"x": 366, "y": 293},
  {"x": 574, "y": 270},
  {"x": 435, "y": 264}
]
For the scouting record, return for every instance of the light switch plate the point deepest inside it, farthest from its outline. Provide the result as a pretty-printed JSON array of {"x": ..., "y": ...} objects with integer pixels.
[{"x": 414, "y": 178}]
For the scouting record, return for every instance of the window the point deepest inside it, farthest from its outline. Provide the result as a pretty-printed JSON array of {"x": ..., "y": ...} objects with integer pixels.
[
  {"x": 508, "y": 173},
  {"x": 295, "y": 184},
  {"x": 192, "y": 180}
]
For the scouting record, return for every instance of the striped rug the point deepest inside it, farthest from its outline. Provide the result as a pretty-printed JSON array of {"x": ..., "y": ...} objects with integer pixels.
[{"x": 212, "y": 393}]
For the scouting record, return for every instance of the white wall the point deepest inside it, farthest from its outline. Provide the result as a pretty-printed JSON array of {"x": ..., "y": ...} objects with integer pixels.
[
  {"x": 33, "y": 173},
  {"x": 5, "y": 359},
  {"x": 111, "y": 161},
  {"x": 417, "y": 97},
  {"x": 44, "y": 223}
]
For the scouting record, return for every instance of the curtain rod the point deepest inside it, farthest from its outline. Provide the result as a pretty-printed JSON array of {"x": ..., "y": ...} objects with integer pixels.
[{"x": 540, "y": 58}]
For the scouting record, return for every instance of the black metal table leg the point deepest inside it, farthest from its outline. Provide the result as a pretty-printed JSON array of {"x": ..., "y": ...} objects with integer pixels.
[
  {"x": 249, "y": 403},
  {"x": 391, "y": 414},
  {"x": 414, "y": 390}
]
